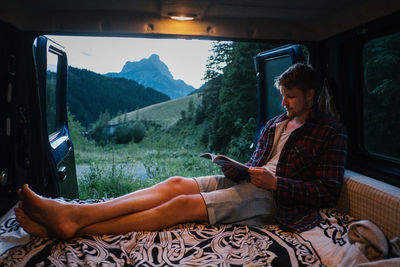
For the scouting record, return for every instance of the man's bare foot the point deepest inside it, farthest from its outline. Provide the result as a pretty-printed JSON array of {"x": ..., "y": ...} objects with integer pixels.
[
  {"x": 30, "y": 226},
  {"x": 57, "y": 218}
]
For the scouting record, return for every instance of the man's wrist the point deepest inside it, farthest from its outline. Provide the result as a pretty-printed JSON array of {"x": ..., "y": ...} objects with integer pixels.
[{"x": 274, "y": 183}]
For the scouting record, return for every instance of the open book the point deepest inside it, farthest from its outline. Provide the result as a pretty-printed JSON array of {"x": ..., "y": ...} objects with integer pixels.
[{"x": 225, "y": 161}]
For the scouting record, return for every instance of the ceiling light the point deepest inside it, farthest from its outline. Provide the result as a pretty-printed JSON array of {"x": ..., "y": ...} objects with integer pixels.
[{"x": 181, "y": 17}]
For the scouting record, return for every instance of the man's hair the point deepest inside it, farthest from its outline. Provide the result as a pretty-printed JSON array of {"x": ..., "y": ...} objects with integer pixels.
[{"x": 299, "y": 75}]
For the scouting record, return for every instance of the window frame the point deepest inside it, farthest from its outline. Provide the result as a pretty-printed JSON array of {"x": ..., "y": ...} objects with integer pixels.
[
  {"x": 58, "y": 165},
  {"x": 361, "y": 160},
  {"x": 295, "y": 52},
  {"x": 362, "y": 87}
]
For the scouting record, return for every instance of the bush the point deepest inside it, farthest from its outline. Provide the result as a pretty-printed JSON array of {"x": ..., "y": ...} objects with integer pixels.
[
  {"x": 126, "y": 133},
  {"x": 138, "y": 132},
  {"x": 99, "y": 136},
  {"x": 76, "y": 131},
  {"x": 123, "y": 134}
]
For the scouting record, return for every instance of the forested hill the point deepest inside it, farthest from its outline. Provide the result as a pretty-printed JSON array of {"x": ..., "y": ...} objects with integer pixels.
[
  {"x": 152, "y": 72},
  {"x": 90, "y": 94}
]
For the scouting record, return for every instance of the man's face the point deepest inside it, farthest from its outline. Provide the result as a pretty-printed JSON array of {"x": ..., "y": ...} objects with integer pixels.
[{"x": 296, "y": 103}]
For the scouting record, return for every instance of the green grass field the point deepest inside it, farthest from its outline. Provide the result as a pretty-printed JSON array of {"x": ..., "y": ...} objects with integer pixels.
[
  {"x": 167, "y": 150},
  {"x": 162, "y": 156},
  {"x": 165, "y": 113}
]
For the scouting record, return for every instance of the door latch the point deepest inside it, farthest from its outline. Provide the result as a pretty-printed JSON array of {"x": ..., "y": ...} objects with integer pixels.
[
  {"x": 62, "y": 173},
  {"x": 3, "y": 178}
]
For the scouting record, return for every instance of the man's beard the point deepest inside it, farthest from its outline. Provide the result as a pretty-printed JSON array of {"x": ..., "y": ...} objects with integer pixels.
[{"x": 289, "y": 113}]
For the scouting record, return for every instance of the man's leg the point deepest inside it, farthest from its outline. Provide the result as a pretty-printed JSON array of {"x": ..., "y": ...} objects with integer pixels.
[
  {"x": 64, "y": 220},
  {"x": 183, "y": 208}
]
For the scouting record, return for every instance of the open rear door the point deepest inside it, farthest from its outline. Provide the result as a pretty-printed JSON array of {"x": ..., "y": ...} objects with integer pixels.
[
  {"x": 51, "y": 66},
  {"x": 270, "y": 64}
]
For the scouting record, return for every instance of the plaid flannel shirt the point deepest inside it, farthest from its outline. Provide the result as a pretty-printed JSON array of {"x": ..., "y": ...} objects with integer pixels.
[{"x": 309, "y": 171}]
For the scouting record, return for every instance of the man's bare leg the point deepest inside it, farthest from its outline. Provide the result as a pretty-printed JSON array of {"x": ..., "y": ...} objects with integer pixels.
[
  {"x": 64, "y": 220},
  {"x": 184, "y": 208}
]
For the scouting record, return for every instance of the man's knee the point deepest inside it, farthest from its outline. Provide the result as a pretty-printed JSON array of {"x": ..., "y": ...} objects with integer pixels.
[
  {"x": 192, "y": 207},
  {"x": 181, "y": 185},
  {"x": 175, "y": 180}
]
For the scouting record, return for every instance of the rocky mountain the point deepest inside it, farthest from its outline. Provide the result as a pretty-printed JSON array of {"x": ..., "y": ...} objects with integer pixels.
[{"x": 152, "y": 72}]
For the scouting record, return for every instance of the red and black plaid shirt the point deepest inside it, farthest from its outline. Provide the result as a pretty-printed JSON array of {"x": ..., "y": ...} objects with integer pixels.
[{"x": 310, "y": 168}]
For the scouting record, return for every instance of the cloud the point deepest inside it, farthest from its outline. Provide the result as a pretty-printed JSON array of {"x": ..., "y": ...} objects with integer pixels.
[{"x": 86, "y": 54}]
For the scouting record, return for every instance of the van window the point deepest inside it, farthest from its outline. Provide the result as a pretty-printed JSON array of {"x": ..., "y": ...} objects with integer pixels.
[
  {"x": 138, "y": 116},
  {"x": 51, "y": 93},
  {"x": 273, "y": 68},
  {"x": 381, "y": 95}
]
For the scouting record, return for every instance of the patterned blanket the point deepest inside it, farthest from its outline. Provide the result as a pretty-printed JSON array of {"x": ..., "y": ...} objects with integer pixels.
[{"x": 188, "y": 244}]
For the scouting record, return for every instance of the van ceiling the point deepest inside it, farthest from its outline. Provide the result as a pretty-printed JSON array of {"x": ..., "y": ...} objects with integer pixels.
[{"x": 250, "y": 19}]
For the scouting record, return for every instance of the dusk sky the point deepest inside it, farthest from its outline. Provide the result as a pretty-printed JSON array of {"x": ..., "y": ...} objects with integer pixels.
[{"x": 186, "y": 59}]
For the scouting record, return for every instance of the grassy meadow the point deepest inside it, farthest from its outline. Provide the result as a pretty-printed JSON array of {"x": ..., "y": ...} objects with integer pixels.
[
  {"x": 169, "y": 148},
  {"x": 165, "y": 113}
]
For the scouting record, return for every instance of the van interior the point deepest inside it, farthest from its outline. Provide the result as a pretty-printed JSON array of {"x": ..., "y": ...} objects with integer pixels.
[{"x": 364, "y": 87}]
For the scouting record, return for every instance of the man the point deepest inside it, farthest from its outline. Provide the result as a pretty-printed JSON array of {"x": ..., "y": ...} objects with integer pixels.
[
  {"x": 297, "y": 169},
  {"x": 308, "y": 167}
]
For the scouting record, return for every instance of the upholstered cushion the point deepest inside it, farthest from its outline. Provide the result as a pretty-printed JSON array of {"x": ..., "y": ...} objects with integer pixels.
[{"x": 366, "y": 198}]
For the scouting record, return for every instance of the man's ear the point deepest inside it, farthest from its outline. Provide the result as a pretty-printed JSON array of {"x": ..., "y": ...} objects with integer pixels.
[{"x": 310, "y": 94}]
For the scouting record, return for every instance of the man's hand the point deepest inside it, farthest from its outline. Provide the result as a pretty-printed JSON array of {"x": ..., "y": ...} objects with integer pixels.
[
  {"x": 230, "y": 172},
  {"x": 262, "y": 178}
]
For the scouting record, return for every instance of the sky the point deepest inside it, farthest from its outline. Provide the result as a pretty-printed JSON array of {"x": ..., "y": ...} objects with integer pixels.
[{"x": 186, "y": 59}]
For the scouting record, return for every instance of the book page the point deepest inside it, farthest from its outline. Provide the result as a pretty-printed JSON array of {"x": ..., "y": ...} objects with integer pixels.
[{"x": 224, "y": 161}]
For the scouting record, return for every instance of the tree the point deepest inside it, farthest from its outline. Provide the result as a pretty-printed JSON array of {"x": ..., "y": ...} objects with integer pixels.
[
  {"x": 76, "y": 131},
  {"x": 190, "y": 110},
  {"x": 220, "y": 57},
  {"x": 230, "y": 93},
  {"x": 183, "y": 115},
  {"x": 119, "y": 117},
  {"x": 97, "y": 133},
  {"x": 210, "y": 107}
]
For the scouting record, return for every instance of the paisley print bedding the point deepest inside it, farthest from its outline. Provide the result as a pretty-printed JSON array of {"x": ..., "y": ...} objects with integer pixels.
[{"x": 189, "y": 244}]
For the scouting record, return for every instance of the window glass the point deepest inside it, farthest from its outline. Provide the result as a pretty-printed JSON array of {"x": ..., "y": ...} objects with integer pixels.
[
  {"x": 273, "y": 68},
  {"x": 51, "y": 93},
  {"x": 381, "y": 95}
]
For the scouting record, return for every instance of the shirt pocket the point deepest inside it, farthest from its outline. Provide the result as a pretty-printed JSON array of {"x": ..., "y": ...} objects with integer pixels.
[{"x": 304, "y": 162}]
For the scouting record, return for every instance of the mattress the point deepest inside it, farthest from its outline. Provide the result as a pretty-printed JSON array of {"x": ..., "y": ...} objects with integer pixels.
[{"x": 189, "y": 244}]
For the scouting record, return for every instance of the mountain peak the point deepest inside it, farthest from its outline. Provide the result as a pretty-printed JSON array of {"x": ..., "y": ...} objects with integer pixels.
[
  {"x": 152, "y": 72},
  {"x": 154, "y": 57},
  {"x": 153, "y": 63}
]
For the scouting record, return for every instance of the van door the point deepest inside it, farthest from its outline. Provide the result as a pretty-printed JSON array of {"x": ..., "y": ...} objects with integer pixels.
[
  {"x": 270, "y": 64},
  {"x": 51, "y": 68}
]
